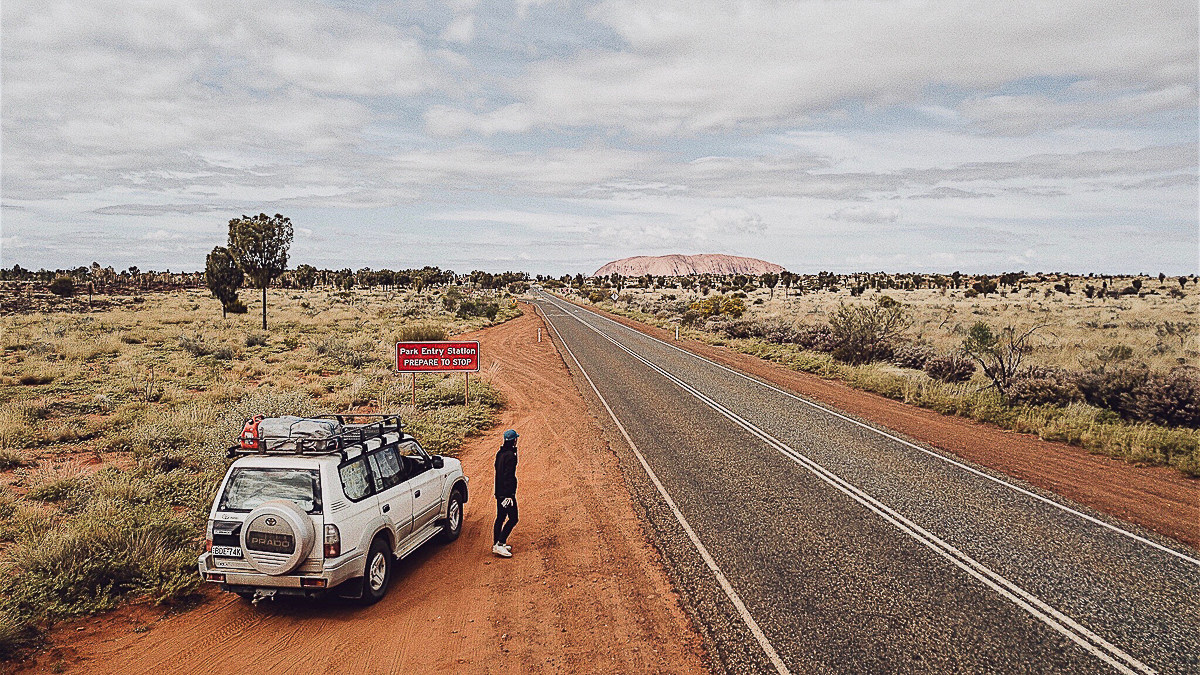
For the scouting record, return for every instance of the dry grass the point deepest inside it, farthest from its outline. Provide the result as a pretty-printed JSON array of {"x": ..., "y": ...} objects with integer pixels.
[{"x": 113, "y": 427}]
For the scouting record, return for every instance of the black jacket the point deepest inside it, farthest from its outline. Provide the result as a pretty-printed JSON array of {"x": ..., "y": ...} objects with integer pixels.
[{"x": 506, "y": 472}]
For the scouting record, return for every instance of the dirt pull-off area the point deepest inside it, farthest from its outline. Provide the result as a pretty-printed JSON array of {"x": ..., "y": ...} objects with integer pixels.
[
  {"x": 1157, "y": 498},
  {"x": 584, "y": 591}
]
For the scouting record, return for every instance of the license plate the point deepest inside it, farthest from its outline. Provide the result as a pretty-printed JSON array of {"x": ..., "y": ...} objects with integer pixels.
[{"x": 227, "y": 551}]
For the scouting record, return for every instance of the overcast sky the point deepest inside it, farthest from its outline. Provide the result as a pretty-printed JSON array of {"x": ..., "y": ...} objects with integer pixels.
[{"x": 552, "y": 137}]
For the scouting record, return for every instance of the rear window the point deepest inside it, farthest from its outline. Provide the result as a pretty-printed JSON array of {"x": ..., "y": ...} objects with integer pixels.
[{"x": 249, "y": 488}]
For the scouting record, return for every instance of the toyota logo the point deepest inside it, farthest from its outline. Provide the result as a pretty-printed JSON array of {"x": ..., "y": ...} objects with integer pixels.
[{"x": 270, "y": 521}]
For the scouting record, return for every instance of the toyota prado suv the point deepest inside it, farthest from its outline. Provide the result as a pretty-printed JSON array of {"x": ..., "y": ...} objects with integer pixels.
[{"x": 319, "y": 505}]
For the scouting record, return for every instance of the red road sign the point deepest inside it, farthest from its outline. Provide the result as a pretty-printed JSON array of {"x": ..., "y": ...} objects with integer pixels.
[{"x": 437, "y": 357}]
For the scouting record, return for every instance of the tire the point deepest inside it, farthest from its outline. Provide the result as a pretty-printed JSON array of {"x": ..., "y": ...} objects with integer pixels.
[
  {"x": 377, "y": 574},
  {"x": 454, "y": 519}
]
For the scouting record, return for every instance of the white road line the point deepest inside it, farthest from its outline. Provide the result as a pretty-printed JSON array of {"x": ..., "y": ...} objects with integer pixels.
[
  {"x": 722, "y": 580},
  {"x": 1090, "y": 641},
  {"x": 977, "y": 472}
]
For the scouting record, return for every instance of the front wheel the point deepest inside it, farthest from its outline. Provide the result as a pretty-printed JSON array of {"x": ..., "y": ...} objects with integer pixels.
[
  {"x": 454, "y": 519},
  {"x": 378, "y": 572}
]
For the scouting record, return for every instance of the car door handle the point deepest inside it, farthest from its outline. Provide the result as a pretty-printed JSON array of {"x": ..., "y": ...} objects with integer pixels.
[
  {"x": 416, "y": 494},
  {"x": 387, "y": 507}
]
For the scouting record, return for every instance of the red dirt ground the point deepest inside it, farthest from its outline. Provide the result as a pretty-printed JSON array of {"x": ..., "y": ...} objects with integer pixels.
[
  {"x": 1158, "y": 498},
  {"x": 584, "y": 592}
]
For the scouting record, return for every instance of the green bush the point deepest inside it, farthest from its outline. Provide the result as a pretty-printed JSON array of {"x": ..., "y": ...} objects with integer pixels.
[
  {"x": 474, "y": 308},
  {"x": 63, "y": 287},
  {"x": 865, "y": 333}
]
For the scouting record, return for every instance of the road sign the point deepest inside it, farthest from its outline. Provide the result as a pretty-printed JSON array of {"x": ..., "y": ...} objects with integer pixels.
[{"x": 438, "y": 357}]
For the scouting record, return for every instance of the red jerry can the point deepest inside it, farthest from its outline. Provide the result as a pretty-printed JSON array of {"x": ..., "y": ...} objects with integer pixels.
[{"x": 249, "y": 438}]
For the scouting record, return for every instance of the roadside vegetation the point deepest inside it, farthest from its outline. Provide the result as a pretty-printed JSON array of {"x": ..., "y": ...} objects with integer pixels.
[
  {"x": 114, "y": 423},
  {"x": 1105, "y": 363}
]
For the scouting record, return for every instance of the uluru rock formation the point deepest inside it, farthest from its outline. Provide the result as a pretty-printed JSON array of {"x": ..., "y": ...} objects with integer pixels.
[{"x": 684, "y": 265}]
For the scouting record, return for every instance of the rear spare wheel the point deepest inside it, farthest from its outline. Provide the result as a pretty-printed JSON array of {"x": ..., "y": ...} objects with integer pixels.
[{"x": 277, "y": 537}]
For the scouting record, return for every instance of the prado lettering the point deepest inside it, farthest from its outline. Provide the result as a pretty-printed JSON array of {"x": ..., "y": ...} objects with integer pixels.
[{"x": 437, "y": 357}]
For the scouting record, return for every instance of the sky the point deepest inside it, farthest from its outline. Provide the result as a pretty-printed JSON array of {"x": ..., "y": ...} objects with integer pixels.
[{"x": 552, "y": 137}]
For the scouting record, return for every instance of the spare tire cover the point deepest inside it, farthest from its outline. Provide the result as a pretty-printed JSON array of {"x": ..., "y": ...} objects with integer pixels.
[{"x": 277, "y": 537}]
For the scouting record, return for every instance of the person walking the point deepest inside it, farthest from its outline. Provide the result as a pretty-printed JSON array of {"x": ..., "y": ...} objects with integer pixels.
[{"x": 506, "y": 494}]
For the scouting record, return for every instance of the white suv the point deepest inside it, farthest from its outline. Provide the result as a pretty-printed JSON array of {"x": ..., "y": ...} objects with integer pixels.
[{"x": 310, "y": 516}]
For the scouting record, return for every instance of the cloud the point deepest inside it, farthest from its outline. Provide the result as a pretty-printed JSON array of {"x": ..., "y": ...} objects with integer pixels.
[
  {"x": 687, "y": 66},
  {"x": 1026, "y": 114},
  {"x": 461, "y": 29},
  {"x": 867, "y": 214},
  {"x": 730, "y": 220}
]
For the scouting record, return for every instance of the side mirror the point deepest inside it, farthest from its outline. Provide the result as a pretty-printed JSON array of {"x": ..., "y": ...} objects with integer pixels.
[{"x": 438, "y": 462}]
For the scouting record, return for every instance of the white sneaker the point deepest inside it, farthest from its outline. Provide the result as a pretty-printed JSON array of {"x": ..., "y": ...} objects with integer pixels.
[
  {"x": 507, "y": 546},
  {"x": 501, "y": 550}
]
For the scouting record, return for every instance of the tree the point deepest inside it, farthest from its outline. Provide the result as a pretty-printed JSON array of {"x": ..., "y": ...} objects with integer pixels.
[
  {"x": 770, "y": 281},
  {"x": 224, "y": 278},
  {"x": 306, "y": 276},
  {"x": 984, "y": 286},
  {"x": 260, "y": 246}
]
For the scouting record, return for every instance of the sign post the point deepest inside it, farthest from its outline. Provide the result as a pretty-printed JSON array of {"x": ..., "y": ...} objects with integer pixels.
[{"x": 443, "y": 356}]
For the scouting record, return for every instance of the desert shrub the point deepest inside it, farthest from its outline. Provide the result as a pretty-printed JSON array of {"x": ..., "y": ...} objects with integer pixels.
[
  {"x": 1113, "y": 389},
  {"x": 913, "y": 355},
  {"x": 816, "y": 338},
  {"x": 1043, "y": 386},
  {"x": 865, "y": 333},
  {"x": 195, "y": 344},
  {"x": 473, "y": 308},
  {"x": 949, "y": 368},
  {"x": 1170, "y": 399},
  {"x": 718, "y": 305},
  {"x": 55, "y": 490},
  {"x": 12, "y": 458},
  {"x": 690, "y": 317},
  {"x": 999, "y": 352},
  {"x": 420, "y": 332},
  {"x": 63, "y": 287},
  {"x": 771, "y": 330},
  {"x": 257, "y": 339}
]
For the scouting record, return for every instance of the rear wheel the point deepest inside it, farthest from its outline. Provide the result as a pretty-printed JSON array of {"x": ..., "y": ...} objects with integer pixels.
[
  {"x": 378, "y": 572},
  {"x": 454, "y": 518}
]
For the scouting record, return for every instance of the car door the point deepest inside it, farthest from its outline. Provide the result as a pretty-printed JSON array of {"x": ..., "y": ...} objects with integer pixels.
[
  {"x": 424, "y": 482},
  {"x": 395, "y": 502}
]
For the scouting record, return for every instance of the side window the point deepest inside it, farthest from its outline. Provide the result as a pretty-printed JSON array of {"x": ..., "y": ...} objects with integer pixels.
[
  {"x": 413, "y": 458},
  {"x": 355, "y": 481},
  {"x": 385, "y": 469}
]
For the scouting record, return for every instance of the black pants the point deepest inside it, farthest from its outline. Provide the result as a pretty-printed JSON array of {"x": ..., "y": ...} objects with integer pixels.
[{"x": 502, "y": 529}]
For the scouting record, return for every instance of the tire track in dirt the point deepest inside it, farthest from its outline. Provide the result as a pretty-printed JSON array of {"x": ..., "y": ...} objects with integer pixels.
[{"x": 584, "y": 592}]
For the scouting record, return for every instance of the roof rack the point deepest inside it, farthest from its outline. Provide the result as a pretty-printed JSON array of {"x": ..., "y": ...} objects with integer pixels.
[{"x": 353, "y": 434}]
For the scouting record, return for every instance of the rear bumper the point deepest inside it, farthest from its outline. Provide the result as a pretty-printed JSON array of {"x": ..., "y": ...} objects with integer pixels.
[{"x": 302, "y": 582}]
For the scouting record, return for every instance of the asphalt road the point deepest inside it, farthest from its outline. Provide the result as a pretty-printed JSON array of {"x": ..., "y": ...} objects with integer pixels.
[{"x": 804, "y": 541}]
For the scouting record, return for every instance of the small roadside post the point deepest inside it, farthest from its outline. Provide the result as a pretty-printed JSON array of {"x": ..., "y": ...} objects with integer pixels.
[
  {"x": 440, "y": 356},
  {"x": 539, "y": 333}
]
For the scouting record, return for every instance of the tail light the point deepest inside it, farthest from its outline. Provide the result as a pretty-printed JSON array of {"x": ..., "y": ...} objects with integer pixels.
[
  {"x": 208, "y": 534},
  {"x": 208, "y": 545},
  {"x": 333, "y": 541}
]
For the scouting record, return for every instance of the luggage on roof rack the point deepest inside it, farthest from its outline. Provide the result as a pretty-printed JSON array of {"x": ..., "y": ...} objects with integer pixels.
[{"x": 317, "y": 435}]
